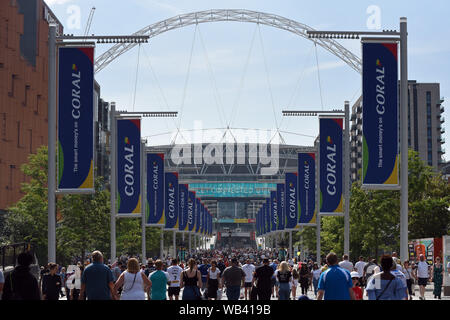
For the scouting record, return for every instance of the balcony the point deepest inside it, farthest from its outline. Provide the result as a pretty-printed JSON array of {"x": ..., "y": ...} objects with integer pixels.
[
  {"x": 359, "y": 109},
  {"x": 441, "y": 140},
  {"x": 441, "y": 150},
  {"x": 442, "y": 120},
  {"x": 442, "y": 130},
  {"x": 441, "y": 109}
]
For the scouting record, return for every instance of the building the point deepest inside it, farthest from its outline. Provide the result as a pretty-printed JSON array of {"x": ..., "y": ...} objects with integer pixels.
[
  {"x": 24, "y": 29},
  {"x": 232, "y": 192},
  {"x": 101, "y": 136},
  {"x": 425, "y": 126}
]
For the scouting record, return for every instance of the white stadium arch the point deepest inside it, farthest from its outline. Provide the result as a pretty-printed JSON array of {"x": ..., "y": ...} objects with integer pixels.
[{"x": 236, "y": 15}]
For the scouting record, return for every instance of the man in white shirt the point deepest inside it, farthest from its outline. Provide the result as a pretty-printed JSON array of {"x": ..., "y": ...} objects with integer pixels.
[
  {"x": 174, "y": 272},
  {"x": 423, "y": 275},
  {"x": 249, "y": 269},
  {"x": 346, "y": 264},
  {"x": 360, "y": 268}
]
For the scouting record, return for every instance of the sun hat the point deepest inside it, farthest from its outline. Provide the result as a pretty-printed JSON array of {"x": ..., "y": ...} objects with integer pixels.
[{"x": 354, "y": 274}]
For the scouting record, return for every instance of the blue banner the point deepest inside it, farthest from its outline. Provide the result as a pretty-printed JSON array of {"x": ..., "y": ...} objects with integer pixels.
[
  {"x": 197, "y": 215},
  {"x": 202, "y": 218},
  {"x": 129, "y": 166},
  {"x": 331, "y": 183},
  {"x": 191, "y": 211},
  {"x": 183, "y": 213},
  {"x": 155, "y": 190},
  {"x": 281, "y": 207},
  {"x": 171, "y": 204},
  {"x": 291, "y": 181},
  {"x": 76, "y": 119},
  {"x": 307, "y": 188},
  {"x": 380, "y": 115}
]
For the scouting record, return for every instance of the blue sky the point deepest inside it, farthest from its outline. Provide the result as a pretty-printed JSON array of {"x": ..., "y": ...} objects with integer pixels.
[{"x": 243, "y": 74}]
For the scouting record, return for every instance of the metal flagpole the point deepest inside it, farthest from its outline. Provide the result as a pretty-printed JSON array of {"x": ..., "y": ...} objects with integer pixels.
[
  {"x": 174, "y": 244},
  {"x": 404, "y": 139},
  {"x": 318, "y": 203},
  {"x": 190, "y": 244},
  {"x": 144, "y": 196},
  {"x": 51, "y": 144},
  {"x": 346, "y": 161},
  {"x": 113, "y": 160},
  {"x": 290, "y": 244},
  {"x": 161, "y": 248}
]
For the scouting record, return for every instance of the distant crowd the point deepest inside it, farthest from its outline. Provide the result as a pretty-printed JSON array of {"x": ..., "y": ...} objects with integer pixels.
[{"x": 245, "y": 274}]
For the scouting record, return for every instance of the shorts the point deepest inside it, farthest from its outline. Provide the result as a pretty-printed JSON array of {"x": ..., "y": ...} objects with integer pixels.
[
  {"x": 174, "y": 291},
  {"x": 273, "y": 282},
  {"x": 423, "y": 281},
  {"x": 247, "y": 285}
]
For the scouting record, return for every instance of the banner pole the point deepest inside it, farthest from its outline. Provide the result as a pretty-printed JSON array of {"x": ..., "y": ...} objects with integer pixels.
[
  {"x": 318, "y": 204},
  {"x": 113, "y": 161},
  {"x": 404, "y": 139},
  {"x": 174, "y": 244},
  {"x": 346, "y": 161},
  {"x": 290, "y": 244},
  {"x": 51, "y": 144},
  {"x": 161, "y": 248},
  {"x": 144, "y": 197}
]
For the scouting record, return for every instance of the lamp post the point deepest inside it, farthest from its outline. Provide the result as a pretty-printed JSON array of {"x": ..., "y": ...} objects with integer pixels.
[{"x": 401, "y": 37}]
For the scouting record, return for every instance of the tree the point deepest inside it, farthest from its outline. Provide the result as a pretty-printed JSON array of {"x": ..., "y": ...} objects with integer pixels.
[{"x": 27, "y": 219}]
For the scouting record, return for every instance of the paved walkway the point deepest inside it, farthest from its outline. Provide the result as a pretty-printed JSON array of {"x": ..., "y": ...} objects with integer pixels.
[{"x": 428, "y": 294}]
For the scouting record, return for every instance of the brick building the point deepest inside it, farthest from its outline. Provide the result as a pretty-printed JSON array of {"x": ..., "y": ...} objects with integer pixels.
[{"x": 24, "y": 26}]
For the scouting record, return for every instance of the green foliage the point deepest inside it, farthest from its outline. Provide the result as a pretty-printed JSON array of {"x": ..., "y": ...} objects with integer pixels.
[
  {"x": 375, "y": 215},
  {"x": 84, "y": 223}
]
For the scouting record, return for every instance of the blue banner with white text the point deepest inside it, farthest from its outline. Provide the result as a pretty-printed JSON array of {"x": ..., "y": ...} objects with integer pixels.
[
  {"x": 155, "y": 190},
  {"x": 76, "y": 119},
  {"x": 380, "y": 115},
  {"x": 331, "y": 183},
  {"x": 291, "y": 196},
  {"x": 307, "y": 188},
  {"x": 129, "y": 166},
  {"x": 171, "y": 203}
]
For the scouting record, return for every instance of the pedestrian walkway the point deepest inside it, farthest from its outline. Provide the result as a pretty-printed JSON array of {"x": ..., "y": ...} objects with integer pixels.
[{"x": 428, "y": 295}]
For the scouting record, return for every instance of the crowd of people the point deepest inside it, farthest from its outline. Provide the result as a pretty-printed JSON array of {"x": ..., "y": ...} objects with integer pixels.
[{"x": 245, "y": 274}]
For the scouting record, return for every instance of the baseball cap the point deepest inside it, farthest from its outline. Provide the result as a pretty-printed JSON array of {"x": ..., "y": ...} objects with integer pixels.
[{"x": 354, "y": 274}]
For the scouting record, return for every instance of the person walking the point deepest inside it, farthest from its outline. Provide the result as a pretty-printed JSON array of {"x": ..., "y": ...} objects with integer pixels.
[
  {"x": 356, "y": 288},
  {"x": 359, "y": 266},
  {"x": 203, "y": 268},
  {"x": 174, "y": 272},
  {"x": 20, "y": 284},
  {"x": 437, "y": 277},
  {"x": 304, "y": 278},
  {"x": 159, "y": 280},
  {"x": 346, "y": 264},
  {"x": 51, "y": 283},
  {"x": 75, "y": 284},
  {"x": 315, "y": 279},
  {"x": 295, "y": 278},
  {"x": 283, "y": 276},
  {"x": 212, "y": 279},
  {"x": 263, "y": 278},
  {"x": 97, "y": 280},
  {"x": 369, "y": 269},
  {"x": 233, "y": 279},
  {"x": 423, "y": 275},
  {"x": 191, "y": 281},
  {"x": 335, "y": 283},
  {"x": 409, "y": 275},
  {"x": 384, "y": 285},
  {"x": 249, "y": 269},
  {"x": 133, "y": 282}
]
